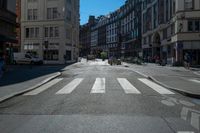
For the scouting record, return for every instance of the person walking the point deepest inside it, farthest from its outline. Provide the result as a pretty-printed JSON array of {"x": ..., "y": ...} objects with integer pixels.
[
  {"x": 189, "y": 59},
  {"x": 185, "y": 60}
]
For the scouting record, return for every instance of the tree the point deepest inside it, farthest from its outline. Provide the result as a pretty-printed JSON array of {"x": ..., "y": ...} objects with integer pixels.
[{"x": 103, "y": 55}]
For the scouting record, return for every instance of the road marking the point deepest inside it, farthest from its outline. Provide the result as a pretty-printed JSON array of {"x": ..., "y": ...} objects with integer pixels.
[
  {"x": 70, "y": 87},
  {"x": 195, "y": 116},
  {"x": 127, "y": 86},
  {"x": 195, "y": 80},
  {"x": 195, "y": 120},
  {"x": 156, "y": 87},
  {"x": 184, "y": 113},
  {"x": 185, "y": 132},
  {"x": 43, "y": 87},
  {"x": 197, "y": 73},
  {"x": 99, "y": 86}
]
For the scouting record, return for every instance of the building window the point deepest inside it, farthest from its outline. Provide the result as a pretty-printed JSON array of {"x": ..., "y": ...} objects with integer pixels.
[
  {"x": 165, "y": 33},
  {"x": 51, "y": 55},
  {"x": 190, "y": 25},
  {"x": 188, "y": 4},
  {"x": 27, "y": 33},
  {"x": 37, "y": 32},
  {"x": 52, "y": 13},
  {"x": 32, "y": 32},
  {"x": 51, "y": 32},
  {"x": 31, "y": 46},
  {"x": 32, "y": 14},
  {"x": 32, "y": 1},
  {"x": 197, "y": 25},
  {"x": 35, "y": 14},
  {"x": 194, "y": 25},
  {"x": 155, "y": 16},
  {"x": 3, "y": 4},
  {"x": 68, "y": 15},
  {"x": 46, "y": 32},
  {"x": 56, "y": 31}
]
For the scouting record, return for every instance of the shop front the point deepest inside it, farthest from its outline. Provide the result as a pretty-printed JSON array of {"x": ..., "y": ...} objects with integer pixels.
[
  {"x": 193, "y": 49},
  {"x": 6, "y": 48}
]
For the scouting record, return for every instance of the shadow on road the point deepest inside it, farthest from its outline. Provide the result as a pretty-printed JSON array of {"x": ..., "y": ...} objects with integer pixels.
[{"x": 22, "y": 73}]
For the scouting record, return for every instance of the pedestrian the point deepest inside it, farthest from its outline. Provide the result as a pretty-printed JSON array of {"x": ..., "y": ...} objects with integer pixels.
[
  {"x": 185, "y": 61},
  {"x": 173, "y": 60},
  {"x": 189, "y": 61}
]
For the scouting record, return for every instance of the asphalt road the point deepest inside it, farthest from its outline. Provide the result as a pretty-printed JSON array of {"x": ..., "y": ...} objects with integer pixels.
[{"x": 96, "y": 98}]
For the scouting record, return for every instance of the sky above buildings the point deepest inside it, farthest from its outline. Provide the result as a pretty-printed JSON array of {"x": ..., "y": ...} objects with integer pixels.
[{"x": 98, "y": 7}]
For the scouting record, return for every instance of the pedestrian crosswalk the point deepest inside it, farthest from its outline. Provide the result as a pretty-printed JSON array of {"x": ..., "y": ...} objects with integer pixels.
[
  {"x": 127, "y": 86},
  {"x": 70, "y": 87},
  {"x": 156, "y": 87},
  {"x": 99, "y": 86},
  {"x": 44, "y": 87}
]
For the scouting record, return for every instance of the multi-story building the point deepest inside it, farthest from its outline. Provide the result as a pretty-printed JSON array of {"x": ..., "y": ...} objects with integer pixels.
[
  {"x": 17, "y": 47},
  {"x": 118, "y": 33},
  {"x": 171, "y": 29},
  {"x": 85, "y": 36},
  {"x": 94, "y": 40},
  {"x": 50, "y": 29},
  {"x": 112, "y": 34},
  {"x": 102, "y": 34},
  {"x": 130, "y": 28},
  {"x": 7, "y": 28}
]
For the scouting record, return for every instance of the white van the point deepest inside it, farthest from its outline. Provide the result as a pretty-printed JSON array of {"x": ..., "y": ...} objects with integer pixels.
[{"x": 26, "y": 58}]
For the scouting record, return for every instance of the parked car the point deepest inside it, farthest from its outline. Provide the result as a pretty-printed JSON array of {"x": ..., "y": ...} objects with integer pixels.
[
  {"x": 26, "y": 58},
  {"x": 90, "y": 57}
]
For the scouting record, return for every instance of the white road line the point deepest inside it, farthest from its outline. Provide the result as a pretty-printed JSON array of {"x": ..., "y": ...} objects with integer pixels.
[
  {"x": 197, "y": 73},
  {"x": 195, "y": 80},
  {"x": 99, "y": 86},
  {"x": 43, "y": 87},
  {"x": 156, "y": 87},
  {"x": 185, "y": 132},
  {"x": 127, "y": 86},
  {"x": 195, "y": 120},
  {"x": 70, "y": 87},
  {"x": 184, "y": 113}
]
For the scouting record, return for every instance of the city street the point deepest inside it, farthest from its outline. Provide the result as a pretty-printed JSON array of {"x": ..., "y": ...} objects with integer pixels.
[{"x": 94, "y": 97}]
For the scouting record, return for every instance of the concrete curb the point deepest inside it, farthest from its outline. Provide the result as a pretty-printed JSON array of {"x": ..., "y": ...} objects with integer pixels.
[
  {"x": 29, "y": 89},
  {"x": 197, "y": 73},
  {"x": 184, "y": 92}
]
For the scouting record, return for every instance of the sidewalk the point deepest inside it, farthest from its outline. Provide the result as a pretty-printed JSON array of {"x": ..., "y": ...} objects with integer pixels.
[
  {"x": 175, "y": 78},
  {"x": 20, "y": 79}
]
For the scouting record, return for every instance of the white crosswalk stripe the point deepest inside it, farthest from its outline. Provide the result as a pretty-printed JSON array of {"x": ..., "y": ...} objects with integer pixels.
[
  {"x": 99, "y": 86},
  {"x": 156, "y": 87},
  {"x": 43, "y": 87},
  {"x": 70, "y": 87},
  {"x": 127, "y": 86},
  {"x": 195, "y": 80}
]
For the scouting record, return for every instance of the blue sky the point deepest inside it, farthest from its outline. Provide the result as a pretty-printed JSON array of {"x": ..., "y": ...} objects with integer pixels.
[{"x": 98, "y": 7}]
